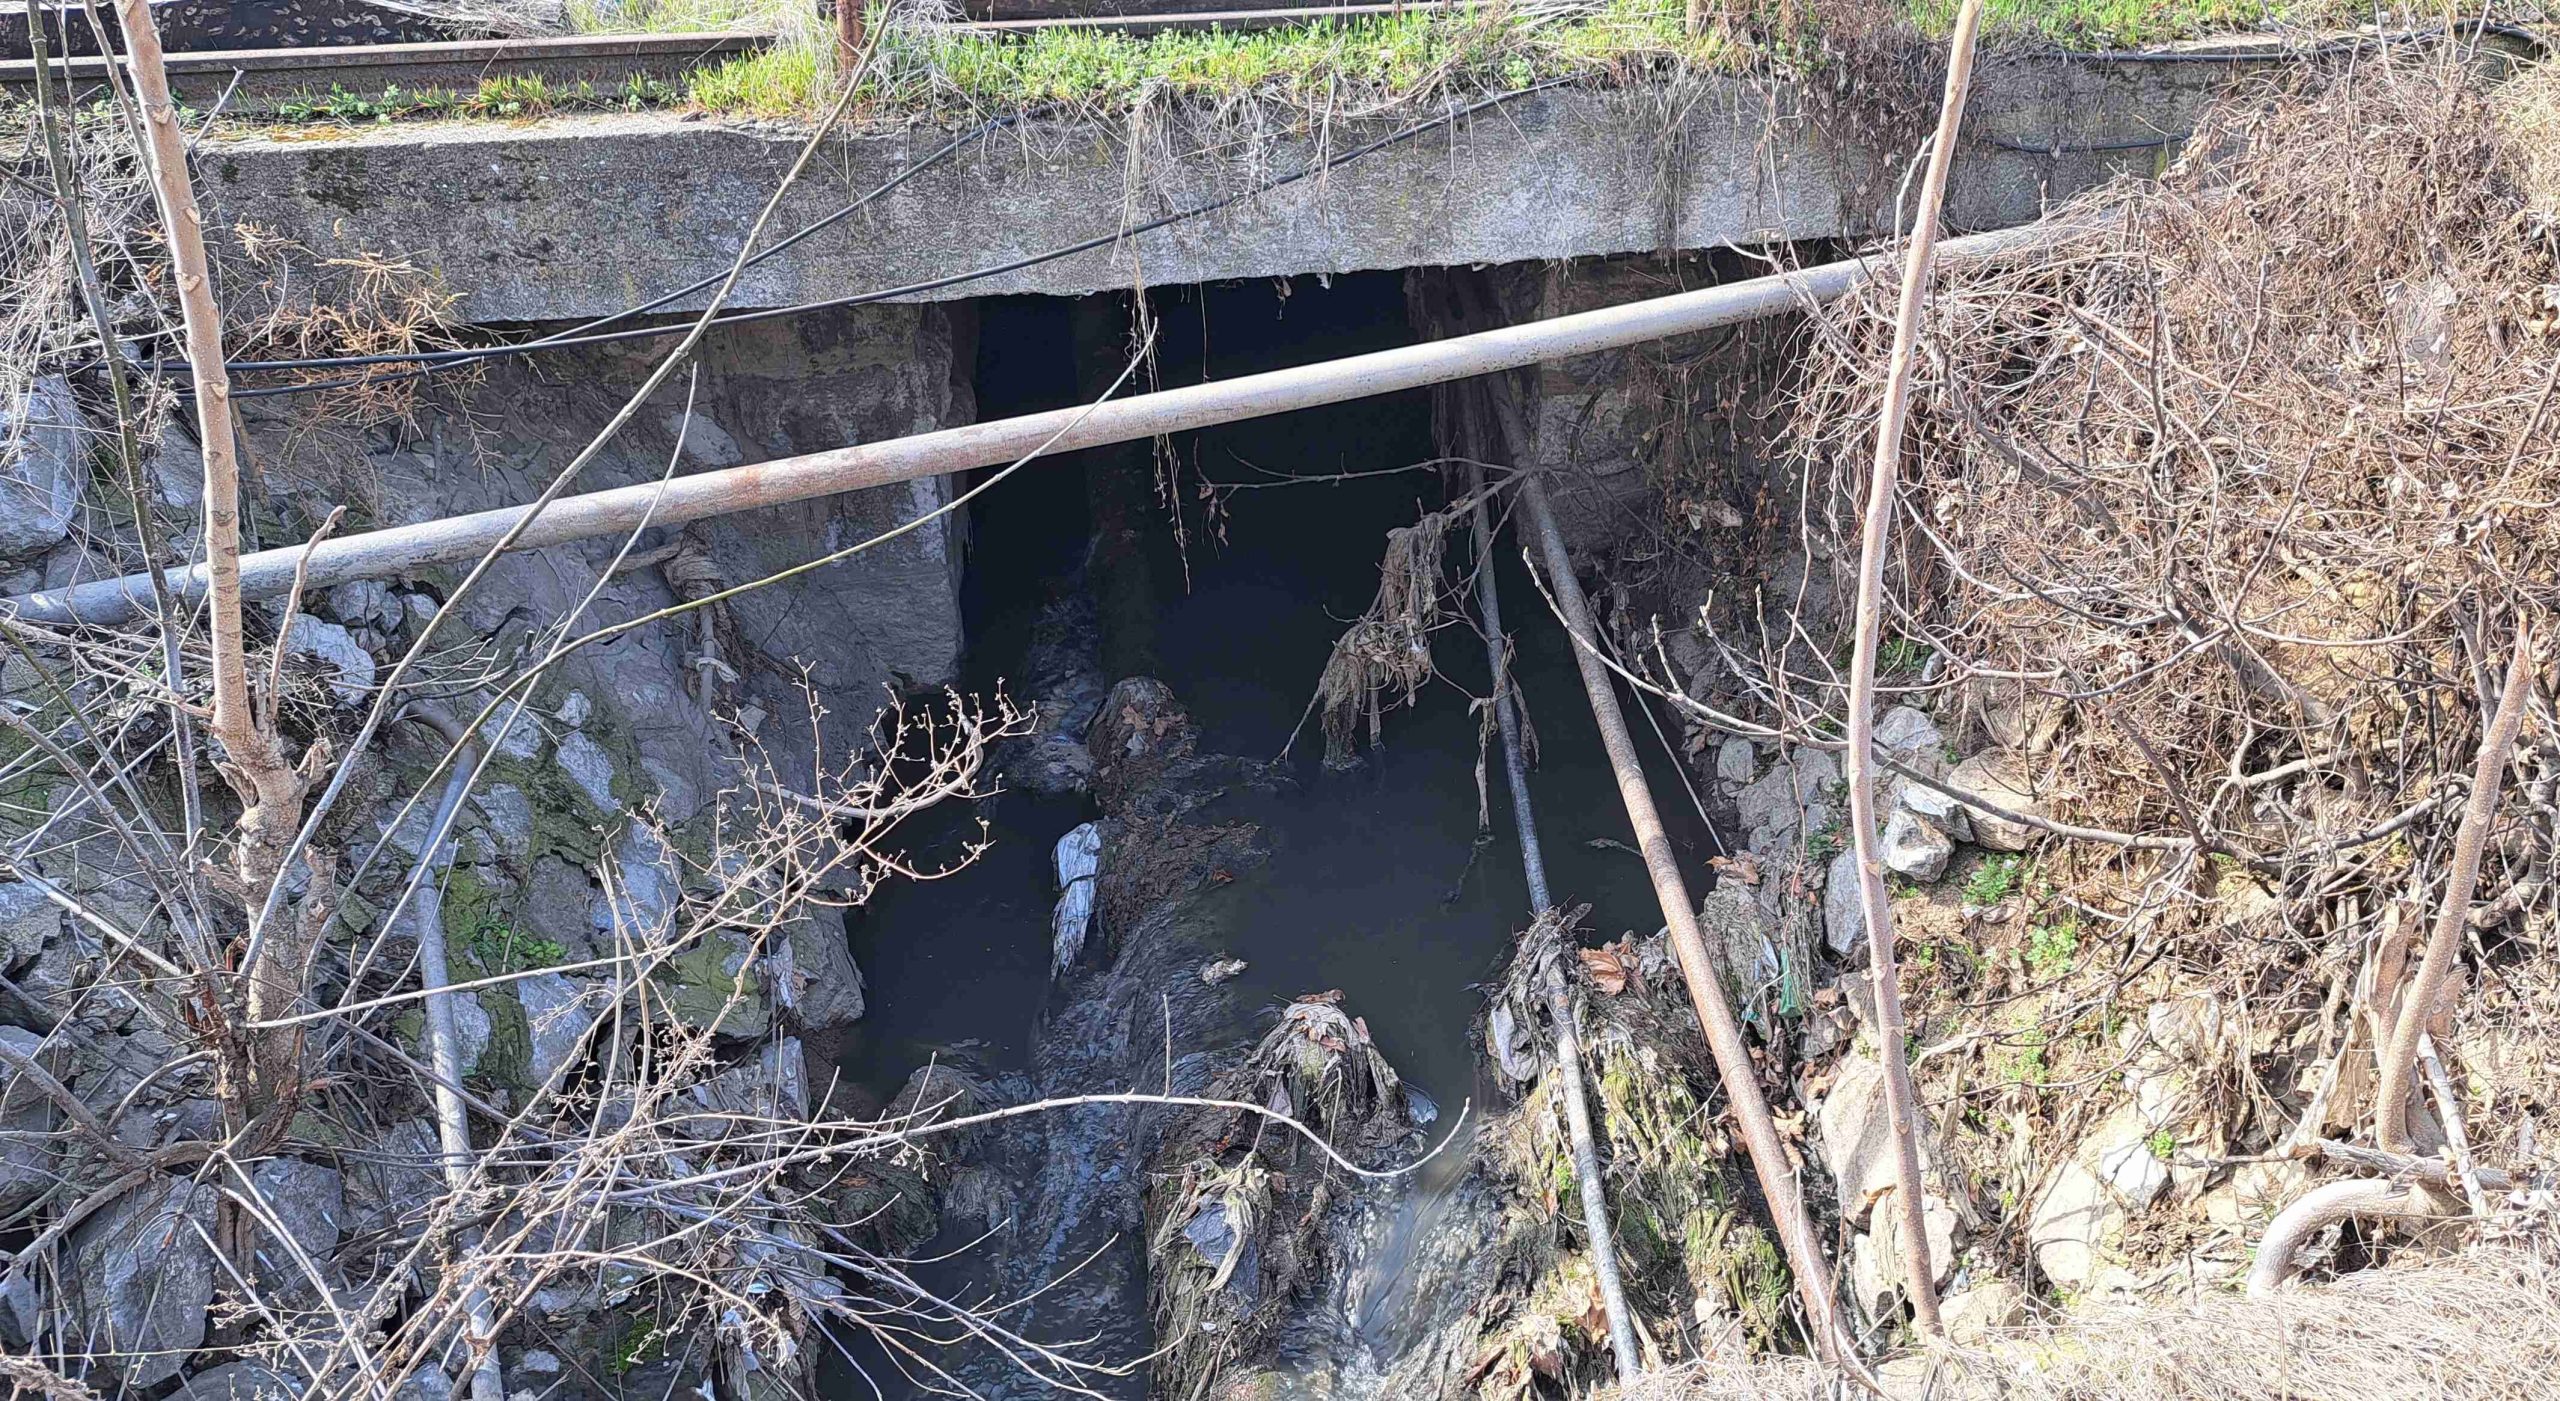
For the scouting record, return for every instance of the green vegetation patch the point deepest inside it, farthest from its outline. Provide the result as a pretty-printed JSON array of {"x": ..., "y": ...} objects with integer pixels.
[{"x": 496, "y": 98}]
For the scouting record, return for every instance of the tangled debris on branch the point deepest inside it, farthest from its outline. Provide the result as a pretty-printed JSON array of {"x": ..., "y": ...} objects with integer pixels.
[{"x": 1384, "y": 658}]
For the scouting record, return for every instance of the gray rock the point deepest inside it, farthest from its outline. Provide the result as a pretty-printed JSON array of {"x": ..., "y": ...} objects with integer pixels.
[
  {"x": 709, "y": 985},
  {"x": 2134, "y": 1172},
  {"x": 363, "y": 603},
  {"x": 139, "y": 1279},
  {"x": 1735, "y": 761},
  {"x": 1937, "y": 1222},
  {"x": 1769, "y": 805},
  {"x": 589, "y": 767},
  {"x": 1905, "y": 730},
  {"x": 509, "y": 733},
  {"x": 2071, "y": 1226},
  {"x": 1790, "y": 797},
  {"x": 703, "y": 441},
  {"x": 510, "y": 816},
  {"x": 2001, "y": 779},
  {"x": 43, "y": 462},
  {"x": 350, "y": 666},
  {"x": 393, "y": 1178},
  {"x": 1078, "y": 859},
  {"x": 26, "y": 1162},
  {"x": 575, "y": 709},
  {"x": 1915, "y": 846},
  {"x": 1973, "y": 1315},
  {"x": 1815, "y": 774},
  {"x": 309, "y": 1201},
  {"x": 28, "y": 921},
  {"x": 2188, "y": 1028},
  {"x": 410, "y": 837},
  {"x": 1948, "y": 814},
  {"x": 425, "y": 1384},
  {"x": 559, "y": 1011},
  {"x": 646, "y": 889},
  {"x": 1844, "y": 918},
  {"x": 1857, "y": 1137},
  {"x": 559, "y": 903},
  {"x": 827, "y": 988},
  {"x": 176, "y": 466},
  {"x": 678, "y": 798},
  {"x": 471, "y": 1030},
  {"x": 752, "y": 1097}
]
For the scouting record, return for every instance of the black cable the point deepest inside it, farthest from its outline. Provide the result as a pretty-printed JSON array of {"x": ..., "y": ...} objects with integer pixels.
[
  {"x": 2147, "y": 143},
  {"x": 427, "y": 362}
]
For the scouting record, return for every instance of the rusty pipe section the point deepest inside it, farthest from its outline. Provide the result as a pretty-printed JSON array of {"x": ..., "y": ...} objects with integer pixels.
[
  {"x": 404, "y": 549},
  {"x": 1768, "y": 1153}
]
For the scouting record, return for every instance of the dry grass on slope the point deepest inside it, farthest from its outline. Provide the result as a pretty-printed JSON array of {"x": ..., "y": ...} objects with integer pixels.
[{"x": 2478, "y": 1327}]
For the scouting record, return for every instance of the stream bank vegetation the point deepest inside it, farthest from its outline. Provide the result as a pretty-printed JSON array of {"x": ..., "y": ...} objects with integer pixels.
[
  {"x": 2224, "y": 518},
  {"x": 2225, "y": 531},
  {"x": 930, "y": 67}
]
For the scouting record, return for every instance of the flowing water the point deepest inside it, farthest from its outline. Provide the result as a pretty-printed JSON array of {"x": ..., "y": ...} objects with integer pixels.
[{"x": 1380, "y": 881}]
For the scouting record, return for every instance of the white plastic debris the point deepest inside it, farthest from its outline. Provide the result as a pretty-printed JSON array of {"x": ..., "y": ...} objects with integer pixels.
[{"x": 1079, "y": 861}]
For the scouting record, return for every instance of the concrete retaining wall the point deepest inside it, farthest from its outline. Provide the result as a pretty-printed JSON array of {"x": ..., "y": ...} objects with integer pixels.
[{"x": 575, "y": 218}]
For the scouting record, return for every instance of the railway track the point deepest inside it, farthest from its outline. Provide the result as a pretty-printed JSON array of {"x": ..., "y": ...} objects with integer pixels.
[
  {"x": 353, "y": 79},
  {"x": 268, "y": 82}
]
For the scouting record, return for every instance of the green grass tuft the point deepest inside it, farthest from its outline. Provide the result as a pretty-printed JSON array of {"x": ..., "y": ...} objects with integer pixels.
[
  {"x": 1993, "y": 881},
  {"x": 2052, "y": 948},
  {"x": 789, "y": 80}
]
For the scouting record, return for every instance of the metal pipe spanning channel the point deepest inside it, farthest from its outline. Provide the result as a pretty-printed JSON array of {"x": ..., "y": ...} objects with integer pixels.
[{"x": 401, "y": 549}]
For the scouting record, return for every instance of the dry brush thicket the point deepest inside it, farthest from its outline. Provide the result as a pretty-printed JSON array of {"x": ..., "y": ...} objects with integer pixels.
[{"x": 2222, "y": 519}]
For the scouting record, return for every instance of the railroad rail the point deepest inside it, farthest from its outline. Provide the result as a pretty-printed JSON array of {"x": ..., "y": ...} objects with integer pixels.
[
  {"x": 253, "y": 82},
  {"x": 249, "y": 82}
]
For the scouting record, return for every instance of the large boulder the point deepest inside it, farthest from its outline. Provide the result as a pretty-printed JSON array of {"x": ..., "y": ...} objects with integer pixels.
[
  {"x": 1915, "y": 846},
  {"x": 28, "y": 921},
  {"x": 43, "y": 461},
  {"x": 2003, "y": 780},
  {"x": 559, "y": 1011},
  {"x": 345, "y": 666},
  {"x": 824, "y": 986},
  {"x": 138, "y": 1278},
  {"x": 711, "y": 987},
  {"x": 309, "y": 1202},
  {"x": 26, "y": 1116}
]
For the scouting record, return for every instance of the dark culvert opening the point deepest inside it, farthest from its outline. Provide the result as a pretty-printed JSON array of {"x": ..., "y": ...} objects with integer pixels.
[{"x": 1380, "y": 882}]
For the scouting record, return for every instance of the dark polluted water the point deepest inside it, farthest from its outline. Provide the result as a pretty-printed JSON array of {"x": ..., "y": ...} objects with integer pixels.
[{"x": 1381, "y": 882}]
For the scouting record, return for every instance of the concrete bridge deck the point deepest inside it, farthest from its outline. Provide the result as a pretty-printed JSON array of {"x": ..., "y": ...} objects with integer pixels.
[{"x": 572, "y": 218}]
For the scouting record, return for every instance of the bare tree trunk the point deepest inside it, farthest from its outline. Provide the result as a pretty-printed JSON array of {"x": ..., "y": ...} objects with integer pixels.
[
  {"x": 254, "y": 764},
  {"x": 2418, "y": 1001},
  {"x": 1899, "y": 1099},
  {"x": 261, "y": 1071}
]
